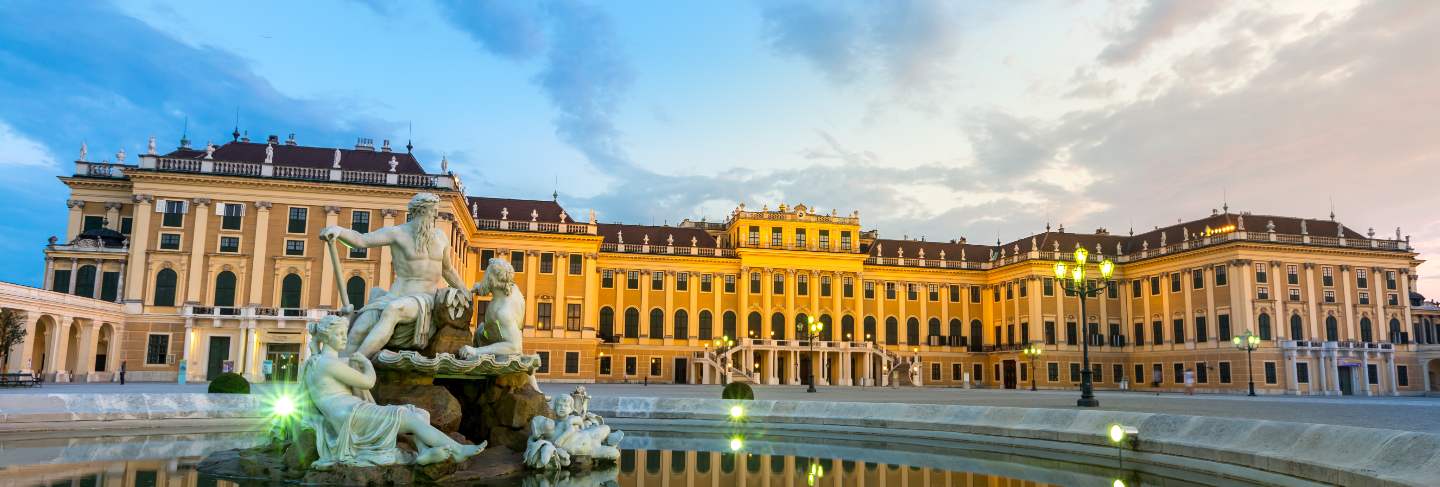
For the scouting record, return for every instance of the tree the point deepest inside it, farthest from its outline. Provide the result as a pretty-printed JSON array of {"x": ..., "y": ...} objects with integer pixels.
[{"x": 12, "y": 332}]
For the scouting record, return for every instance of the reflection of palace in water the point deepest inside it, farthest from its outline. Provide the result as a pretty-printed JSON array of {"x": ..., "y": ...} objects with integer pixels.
[
  {"x": 139, "y": 473},
  {"x": 206, "y": 260},
  {"x": 658, "y": 468}
]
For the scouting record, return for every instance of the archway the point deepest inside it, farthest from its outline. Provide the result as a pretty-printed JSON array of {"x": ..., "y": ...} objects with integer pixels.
[
  {"x": 72, "y": 349},
  {"x": 607, "y": 323},
  {"x": 40, "y": 343},
  {"x": 847, "y": 328},
  {"x": 103, "y": 339},
  {"x": 225, "y": 289},
  {"x": 1432, "y": 373}
]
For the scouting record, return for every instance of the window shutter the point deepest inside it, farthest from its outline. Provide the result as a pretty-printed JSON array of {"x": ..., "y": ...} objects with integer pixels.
[
  {"x": 185, "y": 207},
  {"x": 220, "y": 209},
  {"x": 160, "y": 205}
]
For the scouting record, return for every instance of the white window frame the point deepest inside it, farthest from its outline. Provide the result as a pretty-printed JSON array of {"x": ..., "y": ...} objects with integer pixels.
[
  {"x": 146, "y": 360},
  {"x": 219, "y": 247},
  {"x": 160, "y": 241},
  {"x": 285, "y": 251}
]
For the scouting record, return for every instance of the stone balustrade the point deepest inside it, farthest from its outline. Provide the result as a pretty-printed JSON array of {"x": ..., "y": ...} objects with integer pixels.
[{"x": 250, "y": 169}]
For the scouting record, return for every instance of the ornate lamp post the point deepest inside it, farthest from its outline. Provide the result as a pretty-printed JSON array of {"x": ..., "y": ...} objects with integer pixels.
[
  {"x": 1248, "y": 342},
  {"x": 1032, "y": 352},
  {"x": 811, "y": 330},
  {"x": 1072, "y": 278},
  {"x": 723, "y": 344}
]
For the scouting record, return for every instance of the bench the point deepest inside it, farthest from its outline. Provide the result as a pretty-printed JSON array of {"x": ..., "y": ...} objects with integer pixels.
[{"x": 19, "y": 379}]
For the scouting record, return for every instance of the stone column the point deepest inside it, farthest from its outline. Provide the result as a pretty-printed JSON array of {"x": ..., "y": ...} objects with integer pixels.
[
  {"x": 1167, "y": 319},
  {"x": 258, "y": 259},
  {"x": 532, "y": 259},
  {"x": 1364, "y": 388},
  {"x": 189, "y": 343},
  {"x": 1393, "y": 382},
  {"x": 1190, "y": 309},
  {"x": 199, "y": 244},
  {"x": 924, "y": 315},
  {"x": 55, "y": 357},
  {"x": 790, "y": 288},
  {"x": 767, "y": 301},
  {"x": 99, "y": 277},
  {"x": 837, "y": 309},
  {"x": 327, "y": 270},
  {"x": 74, "y": 269},
  {"x": 859, "y": 304},
  {"x": 139, "y": 244},
  {"x": 49, "y": 276},
  {"x": 592, "y": 294},
  {"x": 1351, "y": 330},
  {"x": 717, "y": 315},
  {"x": 112, "y": 354},
  {"x": 645, "y": 304},
  {"x": 669, "y": 292},
  {"x": 561, "y": 314},
  {"x": 1212, "y": 323},
  {"x": 1317, "y": 329},
  {"x": 20, "y": 354},
  {"x": 1292, "y": 384},
  {"x": 621, "y": 278},
  {"x": 85, "y": 348},
  {"x": 76, "y": 219},
  {"x": 742, "y": 315},
  {"x": 1407, "y": 321},
  {"x": 692, "y": 328},
  {"x": 120, "y": 284},
  {"x": 902, "y": 322}
]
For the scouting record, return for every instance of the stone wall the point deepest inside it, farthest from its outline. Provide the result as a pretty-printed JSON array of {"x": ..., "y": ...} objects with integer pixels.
[
  {"x": 50, "y": 412},
  {"x": 1342, "y": 455}
]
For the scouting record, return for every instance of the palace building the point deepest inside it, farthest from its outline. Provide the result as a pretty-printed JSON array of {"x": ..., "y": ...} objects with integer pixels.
[{"x": 199, "y": 261}]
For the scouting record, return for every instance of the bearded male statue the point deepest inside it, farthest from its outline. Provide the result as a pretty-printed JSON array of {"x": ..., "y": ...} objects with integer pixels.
[{"x": 408, "y": 315}]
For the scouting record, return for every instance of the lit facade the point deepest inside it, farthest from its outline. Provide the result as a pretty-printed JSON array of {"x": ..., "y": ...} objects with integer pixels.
[{"x": 209, "y": 259}]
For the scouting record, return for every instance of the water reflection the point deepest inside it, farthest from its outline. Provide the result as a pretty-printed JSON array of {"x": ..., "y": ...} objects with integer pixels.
[{"x": 706, "y": 468}]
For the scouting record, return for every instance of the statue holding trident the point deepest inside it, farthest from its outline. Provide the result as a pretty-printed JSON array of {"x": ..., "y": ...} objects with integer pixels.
[{"x": 409, "y": 314}]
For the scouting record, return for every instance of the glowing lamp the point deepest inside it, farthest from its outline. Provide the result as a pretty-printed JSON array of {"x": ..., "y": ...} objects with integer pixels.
[
  {"x": 1120, "y": 434},
  {"x": 736, "y": 443},
  {"x": 737, "y": 411},
  {"x": 284, "y": 406},
  {"x": 1117, "y": 483},
  {"x": 1078, "y": 274},
  {"x": 1107, "y": 268},
  {"x": 1081, "y": 255},
  {"x": 1060, "y": 270}
]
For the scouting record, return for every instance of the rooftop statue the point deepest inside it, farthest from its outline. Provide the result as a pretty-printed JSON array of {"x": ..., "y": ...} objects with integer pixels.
[
  {"x": 352, "y": 430},
  {"x": 405, "y": 317}
]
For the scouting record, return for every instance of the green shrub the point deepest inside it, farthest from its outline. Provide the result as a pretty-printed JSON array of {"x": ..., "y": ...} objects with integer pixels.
[
  {"x": 738, "y": 390},
  {"x": 229, "y": 383}
]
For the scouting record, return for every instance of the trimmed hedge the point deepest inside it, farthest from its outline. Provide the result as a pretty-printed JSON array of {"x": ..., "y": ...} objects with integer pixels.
[
  {"x": 738, "y": 390},
  {"x": 229, "y": 383}
]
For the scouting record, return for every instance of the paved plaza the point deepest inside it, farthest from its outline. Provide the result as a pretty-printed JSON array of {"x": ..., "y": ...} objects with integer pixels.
[{"x": 1402, "y": 413}]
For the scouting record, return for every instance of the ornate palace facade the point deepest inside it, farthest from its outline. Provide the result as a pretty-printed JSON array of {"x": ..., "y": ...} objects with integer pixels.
[{"x": 205, "y": 260}]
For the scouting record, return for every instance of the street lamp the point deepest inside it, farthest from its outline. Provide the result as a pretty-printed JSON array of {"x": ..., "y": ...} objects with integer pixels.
[
  {"x": 723, "y": 344},
  {"x": 1072, "y": 278},
  {"x": 811, "y": 330},
  {"x": 1032, "y": 351},
  {"x": 1248, "y": 342}
]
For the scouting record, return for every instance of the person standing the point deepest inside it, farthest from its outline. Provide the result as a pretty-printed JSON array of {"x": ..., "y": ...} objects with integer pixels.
[
  {"x": 122, "y": 372},
  {"x": 1189, "y": 382}
]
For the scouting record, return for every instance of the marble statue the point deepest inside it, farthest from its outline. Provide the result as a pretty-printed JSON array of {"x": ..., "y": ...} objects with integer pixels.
[
  {"x": 84, "y": 151},
  {"x": 554, "y": 443},
  {"x": 336, "y": 163},
  {"x": 350, "y": 429},
  {"x": 150, "y": 146},
  {"x": 269, "y": 153},
  {"x": 209, "y": 150},
  {"x": 503, "y": 316},
  {"x": 407, "y": 315}
]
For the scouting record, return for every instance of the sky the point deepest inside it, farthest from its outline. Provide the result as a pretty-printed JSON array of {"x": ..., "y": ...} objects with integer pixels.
[{"x": 933, "y": 119}]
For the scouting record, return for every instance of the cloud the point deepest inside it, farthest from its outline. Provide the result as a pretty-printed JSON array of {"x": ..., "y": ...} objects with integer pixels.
[
  {"x": 513, "y": 30},
  {"x": 19, "y": 150},
  {"x": 826, "y": 37},
  {"x": 1158, "y": 21}
]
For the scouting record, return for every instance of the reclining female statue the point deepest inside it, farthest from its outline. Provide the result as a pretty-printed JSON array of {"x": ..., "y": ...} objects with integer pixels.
[{"x": 350, "y": 428}]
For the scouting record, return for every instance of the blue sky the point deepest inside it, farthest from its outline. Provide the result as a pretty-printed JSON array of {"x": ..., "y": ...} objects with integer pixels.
[{"x": 932, "y": 118}]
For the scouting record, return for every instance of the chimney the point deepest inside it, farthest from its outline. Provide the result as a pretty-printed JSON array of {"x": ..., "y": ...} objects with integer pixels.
[
  {"x": 245, "y": 137},
  {"x": 290, "y": 140},
  {"x": 385, "y": 146},
  {"x": 365, "y": 143},
  {"x": 273, "y": 139}
]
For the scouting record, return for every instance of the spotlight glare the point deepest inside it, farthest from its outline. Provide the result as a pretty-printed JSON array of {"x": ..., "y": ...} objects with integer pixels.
[
  {"x": 1120, "y": 434},
  {"x": 284, "y": 406},
  {"x": 1118, "y": 483},
  {"x": 737, "y": 411},
  {"x": 736, "y": 444}
]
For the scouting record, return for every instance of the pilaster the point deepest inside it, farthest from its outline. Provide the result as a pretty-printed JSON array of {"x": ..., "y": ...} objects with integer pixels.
[{"x": 199, "y": 241}]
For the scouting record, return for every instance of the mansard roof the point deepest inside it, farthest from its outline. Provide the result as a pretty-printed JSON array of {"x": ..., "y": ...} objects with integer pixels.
[
  {"x": 635, "y": 234},
  {"x": 546, "y": 211},
  {"x": 306, "y": 156}
]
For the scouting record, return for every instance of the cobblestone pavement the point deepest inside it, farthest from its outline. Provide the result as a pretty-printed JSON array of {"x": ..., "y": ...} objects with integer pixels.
[{"x": 1402, "y": 413}]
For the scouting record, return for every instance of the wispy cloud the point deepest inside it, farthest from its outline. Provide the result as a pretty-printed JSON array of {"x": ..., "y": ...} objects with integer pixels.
[{"x": 1155, "y": 22}]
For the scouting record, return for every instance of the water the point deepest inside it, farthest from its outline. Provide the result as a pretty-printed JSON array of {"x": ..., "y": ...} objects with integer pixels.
[{"x": 694, "y": 458}]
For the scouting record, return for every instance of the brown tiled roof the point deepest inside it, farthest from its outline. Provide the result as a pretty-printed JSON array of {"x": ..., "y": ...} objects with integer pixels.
[
  {"x": 513, "y": 209},
  {"x": 635, "y": 234},
  {"x": 313, "y": 157},
  {"x": 883, "y": 247},
  {"x": 1253, "y": 224}
]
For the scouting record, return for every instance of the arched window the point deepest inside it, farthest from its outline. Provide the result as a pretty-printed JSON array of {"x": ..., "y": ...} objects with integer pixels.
[
  {"x": 706, "y": 324},
  {"x": 165, "y": 288},
  {"x": 912, "y": 331},
  {"x": 847, "y": 328},
  {"x": 632, "y": 323},
  {"x": 225, "y": 289},
  {"x": 892, "y": 331},
  {"x": 85, "y": 281},
  {"x": 1332, "y": 329},
  {"x": 977, "y": 335},
  {"x": 1265, "y": 332},
  {"x": 290, "y": 291},
  {"x": 753, "y": 325},
  {"x": 933, "y": 328},
  {"x": 355, "y": 290},
  {"x": 802, "y": 325},
  {"x": 955, "y": 327},
  {"x": 1395, "y": 330},
  {"x": 657, "y": 323},
  {"x": 607, "y": 322},
  {"x": 870, "y": 335},
  {"x": 828, "y": 333},
  {"x": 727, "y": 325},
  {"x": 777, "y": 326},
  {"x": 1367, "y": 332},
  {"x": 1297, "y": 328},
  {"x": 682, "y": 324}
]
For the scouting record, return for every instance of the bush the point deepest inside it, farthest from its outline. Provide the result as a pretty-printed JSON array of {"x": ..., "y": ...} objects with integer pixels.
[
  {"x": 229, "y": 383},
  {"x": 738, "y": 390}
]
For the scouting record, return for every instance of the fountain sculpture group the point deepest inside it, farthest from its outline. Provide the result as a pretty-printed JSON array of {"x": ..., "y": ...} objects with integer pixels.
[{"x": 401, "y": 387}]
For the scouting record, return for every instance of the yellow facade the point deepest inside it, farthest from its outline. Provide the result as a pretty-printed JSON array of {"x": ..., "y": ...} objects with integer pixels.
[{"x": 614, "y": 303}]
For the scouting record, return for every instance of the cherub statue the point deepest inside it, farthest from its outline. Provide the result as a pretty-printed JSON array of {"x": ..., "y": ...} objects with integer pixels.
[
  {"x": 352, "y": 430},
  {"x": 500, "y": 332},
  {"x": 554, "y": 443}
]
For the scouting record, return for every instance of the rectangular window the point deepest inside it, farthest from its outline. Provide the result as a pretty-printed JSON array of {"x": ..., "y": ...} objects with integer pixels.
[
  {"x": 360, "y": 222},
  {"x": 824, "y": 286},
  {"x": 1174, "y": 282},
  {"x": 605, "y": 365},
  {"x": 869, "y": 289},
  {"x": 977, "y": 373},
  {"x": 655, "y": 365},
  {"x": 682, "y": 281},
  {"x": 577, "y": 264},
  {"x": 1294, "y": 294},
  {"x": 231, "y": 215},
  {"x": 1052, "y": 372},
  {"x": 657, "y": 281},
  {"x": 974, "y": 294},
  {"x": 543, "y": 318},
  {"x": 632, "y": 280},
  {"x": 755, "y": 282},
  {"x": 1222, "y": 276},
  {"x": 1262, "y": 292},
  {"x": 1362, "y": 278},
  {"x": 935, "y": 371},
  {"x": 802, "y": 285},
  {"x": 174, "y": 213},
  {"x": 706, "y": 283},
  {"x": 1392, "y": 299},
  {"x": 800, "y": 238},
  {"x": 607, "y": 279},
  {"x": 1364, "y": 297},
  {"x": 730, "y": 283},
  {"x": 1402, "y": 375},
  {"x": 934, "y": 292},
  {"x": 1049, "y": 332},
  {"x": 485, "y": 256},
  {"x": 753, "y": 238},
  {"x": 229, "y": 245},
  {"x": 1329, "y": 296},
  {"x": 126, "y": 224},
  {"x": 844, "y": 240},
  {"x": 1292, "y": 274},
  {"x": 1223, "y": 322},
  {"x": 1157, "y": 330},
  {"x": 156, "y": 349},
  {"x": 1072, "y": 333},
  {"x": 1197, "y": 279},
  {"x": 911, "y": 292},
  {"x": 295, "y": 248},
  {"x": 298, "y": 216},
  {"x": 995, "y": 292},
  {"x": 1154, "y": 285},
  {"x": 547, "y": 263},
  {"x": 825, "y": 240},
  {"x": 1178, "y": 329},
  {"x": 1139, "y": 334},
  {"x": 1261, "y": 275},
  {"x": 170, "y": 241},
  {"x": 92, "y": 222},
  {"x": 544, "y": 362},
  {"x": 1270, "y": 375},
  {"x": 1372, "y": 373},
  {"x": 1112, "y": 292},
  {"x": 1202, "y": 332},
  {"x": 776, "y": 237},
  {"x": 1202, "y": 374},
  {"x": 889, "y": 290},
  {"x": 572, "y": 316},
  {"x": 1047, "y": 287},
  {"x": 1327, "y": 276},
  {"x": 777, "y": 286},
  {"x": 572, "y": 362},
  {"x": 631, "y": 366},
  {"x": 1074, "y": 372},
  {"x": 956, "y": 372},
  {"x": 847, "y": 288},
  {"x": 1179, "y": 376},
  {"x": 1097, "y": 373},
  {"x": 1302, "y": 372},
  {"x": 517, "y": 260}
]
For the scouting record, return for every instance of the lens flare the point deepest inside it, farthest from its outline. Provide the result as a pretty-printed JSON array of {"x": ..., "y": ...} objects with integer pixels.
[
  {"x": 284, "y": 406},
  {"x": 736, "y": 443},
  {"x": 737, "y": 411}
]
